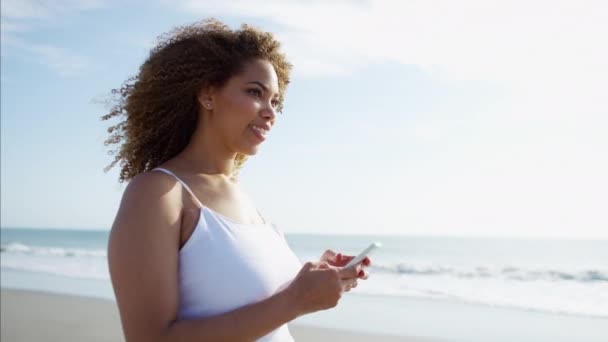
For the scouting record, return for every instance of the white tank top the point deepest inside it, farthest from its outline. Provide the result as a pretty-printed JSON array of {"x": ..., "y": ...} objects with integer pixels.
[{"x": 225, "y": 265}]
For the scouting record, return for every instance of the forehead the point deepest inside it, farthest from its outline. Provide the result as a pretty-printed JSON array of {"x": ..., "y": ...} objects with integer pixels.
[{"x": 259, "y": 71}]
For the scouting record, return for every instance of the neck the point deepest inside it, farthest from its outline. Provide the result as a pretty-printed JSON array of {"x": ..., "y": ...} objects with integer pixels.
[{"x": 206, "y": 154}]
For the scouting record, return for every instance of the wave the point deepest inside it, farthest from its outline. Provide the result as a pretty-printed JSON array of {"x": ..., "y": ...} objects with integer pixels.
[
  {"x": 19, "y": 248},
  {"x": 61, "y": 270},
  {"x": 552, "y": 306},
  {"x": 506, "y": 272},
  {"x": 578, "y": 290}
]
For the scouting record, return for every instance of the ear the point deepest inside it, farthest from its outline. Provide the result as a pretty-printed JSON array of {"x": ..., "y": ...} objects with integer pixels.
[{"x": 205, "y": 98}]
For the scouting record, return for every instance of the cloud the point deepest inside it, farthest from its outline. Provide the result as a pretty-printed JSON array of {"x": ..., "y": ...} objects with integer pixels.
[
  {"x": 62, "y": 61},
  {"x": 20, "y": 17},
  {"x": 529, "y": 43},
  {"x": 41, "y": 9},
  {"x": 531, "y": 165}
]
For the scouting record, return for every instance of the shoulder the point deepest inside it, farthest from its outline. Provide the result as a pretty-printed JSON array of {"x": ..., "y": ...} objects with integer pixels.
[
  {"x": 153, "y": 185},
  {"x": 150, "y": 199},
  {"x": 147, "y": 222},
  {"x": 143, "y": 249}
]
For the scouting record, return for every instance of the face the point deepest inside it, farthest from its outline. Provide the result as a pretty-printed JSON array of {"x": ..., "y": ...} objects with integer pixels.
[{"x": 244, "y": 109}]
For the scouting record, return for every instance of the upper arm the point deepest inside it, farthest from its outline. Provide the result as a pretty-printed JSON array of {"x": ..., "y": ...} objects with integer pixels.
[{"x": 143, "y": 256}]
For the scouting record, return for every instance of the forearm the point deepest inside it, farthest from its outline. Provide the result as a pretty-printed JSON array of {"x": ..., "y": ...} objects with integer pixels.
[{"x": 243, "y": 324}]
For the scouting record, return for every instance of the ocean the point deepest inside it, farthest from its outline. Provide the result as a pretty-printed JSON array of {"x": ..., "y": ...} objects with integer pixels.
[{"x": 556, "y": 280}]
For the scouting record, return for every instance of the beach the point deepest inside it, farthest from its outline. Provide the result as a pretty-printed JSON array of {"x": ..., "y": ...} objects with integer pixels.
[
  {"x": 56, "y": 286},
  {"x": 38, "y": 316}
]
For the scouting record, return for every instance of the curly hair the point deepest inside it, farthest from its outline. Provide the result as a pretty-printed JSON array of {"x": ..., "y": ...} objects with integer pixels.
[{"x": 159, "y": 106}]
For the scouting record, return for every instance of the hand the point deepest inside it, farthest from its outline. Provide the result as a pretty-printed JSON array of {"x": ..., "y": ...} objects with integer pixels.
[
  {"x": 319, "y": 286},
  {"x": 340, "y": 260}
]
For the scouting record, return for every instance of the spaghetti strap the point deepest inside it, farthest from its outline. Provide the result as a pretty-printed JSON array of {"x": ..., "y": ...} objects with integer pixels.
[
  {"x": 182, "y": 183},
  {"x": 262, "y": 217}
]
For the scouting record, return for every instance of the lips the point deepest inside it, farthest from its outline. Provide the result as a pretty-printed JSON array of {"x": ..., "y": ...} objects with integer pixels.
[
  {"x": 259, "y": 132},
  {"x": 263, "y": 127}
]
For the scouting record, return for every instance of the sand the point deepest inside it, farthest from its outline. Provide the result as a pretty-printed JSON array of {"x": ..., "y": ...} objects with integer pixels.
[{"x": 38, "y": 316}]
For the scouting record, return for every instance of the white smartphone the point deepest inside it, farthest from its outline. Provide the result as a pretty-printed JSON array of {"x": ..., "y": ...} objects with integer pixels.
[{"x": 366, "y": 252}]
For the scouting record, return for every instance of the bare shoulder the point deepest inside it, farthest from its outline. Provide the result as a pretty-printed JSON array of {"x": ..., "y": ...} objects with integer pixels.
[
  {"x": 151, "y": 207},
  {"x": 151, "y": 187},
  {"x": 142, "y": 250}
]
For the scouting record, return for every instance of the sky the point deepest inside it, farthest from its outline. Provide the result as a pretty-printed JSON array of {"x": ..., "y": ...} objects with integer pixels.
[{"x": 457, "y": 118}]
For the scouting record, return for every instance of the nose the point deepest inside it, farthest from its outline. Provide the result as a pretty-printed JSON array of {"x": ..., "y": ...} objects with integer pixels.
[{"x": 269, "y": 112}]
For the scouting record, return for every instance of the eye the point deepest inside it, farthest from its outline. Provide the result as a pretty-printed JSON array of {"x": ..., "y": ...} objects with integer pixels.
[
  {"x": 254, "y": 92},
  {"x": 275, "y": 103}
]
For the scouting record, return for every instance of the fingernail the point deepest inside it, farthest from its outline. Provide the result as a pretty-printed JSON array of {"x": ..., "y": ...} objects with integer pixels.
[
  {"x": 339, "y": 256},
  {"x": 361, "y": 273}
]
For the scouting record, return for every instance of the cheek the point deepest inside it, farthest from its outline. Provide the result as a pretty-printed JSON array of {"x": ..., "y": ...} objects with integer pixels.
[
  {"x": 245, "y": 104},
  {"x": 237, "y": 110}
]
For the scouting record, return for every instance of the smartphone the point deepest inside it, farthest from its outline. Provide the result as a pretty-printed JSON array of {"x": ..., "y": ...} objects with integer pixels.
[{"x": 366, "y": 252}]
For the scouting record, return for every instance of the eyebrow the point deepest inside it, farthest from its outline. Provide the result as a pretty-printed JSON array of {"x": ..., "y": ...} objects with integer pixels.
[{"x": 261, "y": 85}]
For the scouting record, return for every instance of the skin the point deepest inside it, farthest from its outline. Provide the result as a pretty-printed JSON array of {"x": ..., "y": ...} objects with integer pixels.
[{"x": 157, "y": 216}]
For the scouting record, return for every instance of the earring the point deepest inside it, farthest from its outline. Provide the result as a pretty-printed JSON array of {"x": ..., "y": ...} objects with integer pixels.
[{"x": 208, "y": 105}]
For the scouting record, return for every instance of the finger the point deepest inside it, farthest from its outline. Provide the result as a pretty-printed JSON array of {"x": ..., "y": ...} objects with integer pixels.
[
  {"x": 329, "y": 254},
  {"x": 345, "y": 283},
  {"x": 367, "y": 261},
  {"x": 349, "y": 272},
  {"x": 315, "y": 265},
  {"x": 347, "y": 258},
  {"x": 322, "y": 265},
  {"x": 363, "y": 275},
  {"x": 309, "y": 265},
  {"x": 336, "y": 260},
  {"x": 342, "y": 260},
  {"x": 348, "y": 284}
]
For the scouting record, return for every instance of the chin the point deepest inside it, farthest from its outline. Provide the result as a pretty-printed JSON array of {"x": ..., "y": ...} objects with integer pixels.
[{"x": 250, "y": 151}]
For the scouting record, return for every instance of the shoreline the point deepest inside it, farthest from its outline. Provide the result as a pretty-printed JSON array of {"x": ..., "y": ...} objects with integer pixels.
[{"x": 59, "y": 317}]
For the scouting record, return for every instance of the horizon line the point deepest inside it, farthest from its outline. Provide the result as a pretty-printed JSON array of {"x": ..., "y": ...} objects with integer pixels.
[{"x": 326, "y": 233}]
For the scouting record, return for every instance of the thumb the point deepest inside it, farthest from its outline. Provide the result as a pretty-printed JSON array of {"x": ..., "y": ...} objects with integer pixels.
[
  {"x": 309, "y": 265},
  {"x": 322, "y": 265},
  {"x": 349, "y": 272}
]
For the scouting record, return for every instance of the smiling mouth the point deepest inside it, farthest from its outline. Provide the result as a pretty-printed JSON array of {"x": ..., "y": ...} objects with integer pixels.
[{"x": 259, "y": 132}]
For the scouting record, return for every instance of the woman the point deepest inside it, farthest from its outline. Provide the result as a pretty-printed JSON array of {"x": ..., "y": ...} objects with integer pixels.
[{"x": 190, "y": 257}]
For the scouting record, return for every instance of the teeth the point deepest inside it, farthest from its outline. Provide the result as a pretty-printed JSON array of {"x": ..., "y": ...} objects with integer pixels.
[{"x": 259, "y": 130}]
